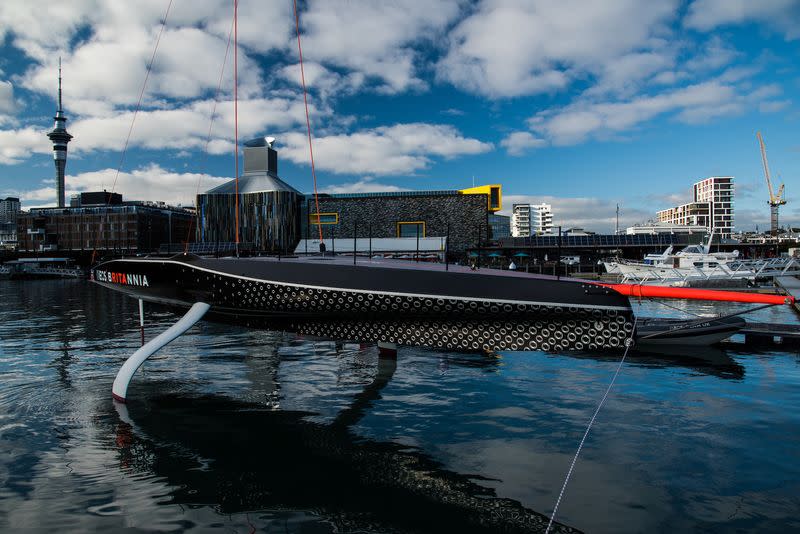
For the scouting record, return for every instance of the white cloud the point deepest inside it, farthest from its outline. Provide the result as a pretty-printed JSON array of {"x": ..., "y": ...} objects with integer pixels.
[
  {"x": 152, "y": 183},
  {"x": 367, "y": 184},
  {"x": 624, "y": 74},
  {"x": 774, "y": 106},
  {"x": 713, "y": 54},
  {"x": 738, "y": 73},
  {"x": 590, "y": 213},
  {"x": 326, "y": 81},
  {"x": 398, "y": 149},
  {"x": 507, "y": 49},
  {"x": 18, "y": 145},
  {"x": 102, "y": 74},
  {"x": 517, "y": 143},
  {"x": 374, "y": 38},
  {"x": 779, "y": 15},
  {"x": 106, "y": 47},
  {"x": 182, "y": 128},
  {"x": 38, "y": 35},
  {"x": 582, "y": 119}
]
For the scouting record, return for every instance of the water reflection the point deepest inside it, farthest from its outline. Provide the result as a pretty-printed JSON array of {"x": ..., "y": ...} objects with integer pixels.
[
  {"x": 240, "y": 456},
  {"x": 248, "y": 429},
  {"x": 709, "y": 360}
]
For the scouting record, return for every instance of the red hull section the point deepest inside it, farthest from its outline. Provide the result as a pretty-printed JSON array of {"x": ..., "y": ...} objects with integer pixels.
[{"x": 641, "y": 291}]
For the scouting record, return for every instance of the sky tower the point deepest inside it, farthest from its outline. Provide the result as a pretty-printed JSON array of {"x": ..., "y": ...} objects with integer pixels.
[{"x": 60, "y": 138}]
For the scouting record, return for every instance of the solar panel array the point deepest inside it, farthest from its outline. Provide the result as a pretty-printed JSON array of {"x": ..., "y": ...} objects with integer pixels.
[
  {"x": 600, "y": 241},
  {"x": 203, "y": 248}
]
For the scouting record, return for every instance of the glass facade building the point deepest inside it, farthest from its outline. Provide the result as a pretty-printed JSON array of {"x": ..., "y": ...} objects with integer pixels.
[
  {"x": 269, "y": 209},
  {"x": 268, "y": 220}
]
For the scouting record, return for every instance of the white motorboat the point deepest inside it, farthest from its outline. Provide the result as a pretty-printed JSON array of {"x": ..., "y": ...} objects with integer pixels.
[{"x": 693, "y": 261}]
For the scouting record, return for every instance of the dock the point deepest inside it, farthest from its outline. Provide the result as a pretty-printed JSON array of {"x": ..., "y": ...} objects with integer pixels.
[
  {"x": 759, "y": 334},
  {"x": 790, "y": 285},
  {"x": 787, "y": 335}
]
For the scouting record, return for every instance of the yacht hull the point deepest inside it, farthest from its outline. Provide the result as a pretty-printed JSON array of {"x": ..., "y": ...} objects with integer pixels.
[{"x": 398, "y": 302}]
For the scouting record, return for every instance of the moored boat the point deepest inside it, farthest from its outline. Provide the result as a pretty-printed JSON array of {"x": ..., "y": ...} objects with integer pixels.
[
  {"x": 400, "y": 299},
  {"x": 701, "y": 331}
]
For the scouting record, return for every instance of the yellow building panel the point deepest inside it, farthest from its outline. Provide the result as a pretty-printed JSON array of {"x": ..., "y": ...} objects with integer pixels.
[{"x": 493, "y": 192}]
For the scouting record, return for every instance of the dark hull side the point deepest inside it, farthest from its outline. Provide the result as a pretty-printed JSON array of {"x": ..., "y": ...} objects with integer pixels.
[
  {"x": 427, "y": 307},
  {"x": 691, "y": 332}
]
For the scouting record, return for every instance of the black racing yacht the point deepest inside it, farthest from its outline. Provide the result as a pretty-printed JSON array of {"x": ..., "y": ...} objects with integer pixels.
[{"x": 384, "y": 300}]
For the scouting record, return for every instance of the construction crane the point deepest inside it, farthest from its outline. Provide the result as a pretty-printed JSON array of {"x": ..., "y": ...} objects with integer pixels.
[{"x": 774, "y": 200}]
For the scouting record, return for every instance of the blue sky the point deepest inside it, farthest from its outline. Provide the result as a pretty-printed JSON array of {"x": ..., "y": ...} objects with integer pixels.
[{"x": 579, "y": 103}]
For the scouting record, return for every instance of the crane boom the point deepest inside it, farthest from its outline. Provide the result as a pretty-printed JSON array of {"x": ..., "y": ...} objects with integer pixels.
[{"x": 772, "y": 199}]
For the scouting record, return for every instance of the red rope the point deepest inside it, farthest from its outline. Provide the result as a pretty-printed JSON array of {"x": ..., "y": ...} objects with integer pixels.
[
  {"x": 308, "y": 121},
  {"x": 236, "y": 111},
  {"x": 208, "y": 136}
]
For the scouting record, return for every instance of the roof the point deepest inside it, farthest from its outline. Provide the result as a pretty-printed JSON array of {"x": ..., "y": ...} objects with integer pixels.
[
  {"x": 253, "y": 183},
  {"x": 374, "y": 194}
]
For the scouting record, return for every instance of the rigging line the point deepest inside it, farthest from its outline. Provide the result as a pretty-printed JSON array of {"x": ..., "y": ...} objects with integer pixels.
[
  {"x": 141, "y": 94},
  {"x": 628, "y": 345},
  {"x": 688, "y": 312},
  {"x": 308, "y": 121},
  {"x": 707, "y": 319},
  {"x": 133, "y": 121},
  {"x": 236, "y": 110},
  {"x": 208, "y": 135}
]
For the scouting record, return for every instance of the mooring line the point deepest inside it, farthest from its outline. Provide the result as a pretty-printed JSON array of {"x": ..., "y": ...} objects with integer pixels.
[{"x": 628, "y": 345}]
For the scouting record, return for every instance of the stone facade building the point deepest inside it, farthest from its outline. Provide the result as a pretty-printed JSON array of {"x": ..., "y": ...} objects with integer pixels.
[
  {"x": 273, "y": 217},
  {"x": 401, "y": 214}
]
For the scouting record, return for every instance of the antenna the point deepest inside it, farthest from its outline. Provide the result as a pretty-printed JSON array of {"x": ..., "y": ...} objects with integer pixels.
[{"x": 59, "y": 85}]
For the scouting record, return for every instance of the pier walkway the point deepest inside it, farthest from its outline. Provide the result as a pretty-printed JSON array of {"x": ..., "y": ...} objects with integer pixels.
[{"x": 771, "y": 334}]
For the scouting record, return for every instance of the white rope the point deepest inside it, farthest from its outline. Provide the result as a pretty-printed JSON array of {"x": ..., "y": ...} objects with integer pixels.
[{"x": 628, "y": 345}]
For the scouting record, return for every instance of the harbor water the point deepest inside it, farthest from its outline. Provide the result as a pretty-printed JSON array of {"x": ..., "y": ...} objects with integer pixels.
[{"x": 257, "y": 431}]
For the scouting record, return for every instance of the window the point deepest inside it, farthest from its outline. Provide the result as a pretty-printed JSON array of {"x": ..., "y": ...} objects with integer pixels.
[
  {"x": 494, "y": 198},
  {"x": 323, "y": 218},
  {"x": 410, "y": 229}
]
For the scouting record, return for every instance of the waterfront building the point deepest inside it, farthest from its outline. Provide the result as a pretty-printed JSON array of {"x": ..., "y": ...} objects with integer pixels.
[
  {"x": 579, "y": 232},
  {"x": 95, "y": 198},
  {"x": 666, "y": 228},
  {"x": 712, "y": 206},
  {"x": 115, "y": 226},
  {"x": 531, "y": 219},
  {"x": 542, "y": 219},
  {"x": 500, "y": 226},
  {"x": 463, "y": 215},
  {"x": 521, "y": 220},
  {"x": 60, "y": 138},
  {"x": 274, "y": 216},
  {"x": 8, "y": 235},
  {"x": 9, "y": 211},
  {"x": 269, "y": 208},
  {"x": 9, "y": 208}
]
